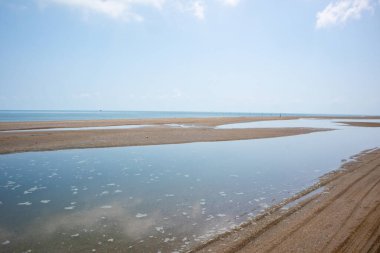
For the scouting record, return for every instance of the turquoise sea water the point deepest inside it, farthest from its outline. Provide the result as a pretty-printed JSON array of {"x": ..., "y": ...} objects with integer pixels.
[{"x": 25, "y": 115}]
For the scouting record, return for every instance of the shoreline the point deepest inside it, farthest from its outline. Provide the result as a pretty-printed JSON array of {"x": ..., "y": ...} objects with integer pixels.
[
  {"x": 210, "y": 122},
  {"x": 52, "y": 135},
  {"x": 12, "y": 142},
  {"x": 343, "y": 215}
]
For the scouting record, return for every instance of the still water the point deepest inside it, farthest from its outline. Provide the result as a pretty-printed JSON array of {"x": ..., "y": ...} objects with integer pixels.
[
  {"x": 164, "y": 198},
  {"x": 36, "y": 115},
  {"x": 47, "y": 115}
]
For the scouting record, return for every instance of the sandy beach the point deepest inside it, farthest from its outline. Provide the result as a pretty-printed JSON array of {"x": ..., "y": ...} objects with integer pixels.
[
  {"x": 344, "y": 216},
  {"x": 158, "y": 133}
]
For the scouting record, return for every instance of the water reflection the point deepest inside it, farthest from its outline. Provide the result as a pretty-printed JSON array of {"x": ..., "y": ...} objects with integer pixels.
[
  {"x": 158, "y": 198},
  {"x": 311, "y": 123}
]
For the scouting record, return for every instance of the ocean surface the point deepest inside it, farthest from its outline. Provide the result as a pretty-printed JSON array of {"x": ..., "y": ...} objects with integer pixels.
[
  {"x": 25, "y": 115},
  {"x": 163, "y": 198}
]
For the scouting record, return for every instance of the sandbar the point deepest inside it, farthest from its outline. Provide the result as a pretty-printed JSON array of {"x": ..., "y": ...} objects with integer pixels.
[
  {"x": 158, "y": 133},
  {"x": 360, "y": 124}
]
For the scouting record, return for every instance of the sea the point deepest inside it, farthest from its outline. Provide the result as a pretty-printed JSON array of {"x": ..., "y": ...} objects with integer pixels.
[{"x": 56, "y": 115}]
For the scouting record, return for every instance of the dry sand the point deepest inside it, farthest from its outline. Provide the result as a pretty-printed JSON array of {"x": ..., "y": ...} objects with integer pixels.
[
  {"x": 11, "y": 142},
  {"x": 345, "y": 217}
]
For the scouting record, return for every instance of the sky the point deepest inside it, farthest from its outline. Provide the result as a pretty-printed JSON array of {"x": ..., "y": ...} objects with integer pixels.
[{"x": 294, "y": 56}]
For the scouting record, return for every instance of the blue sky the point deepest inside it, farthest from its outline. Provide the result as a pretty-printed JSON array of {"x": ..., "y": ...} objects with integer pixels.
[{"x": 301, "y": 56}]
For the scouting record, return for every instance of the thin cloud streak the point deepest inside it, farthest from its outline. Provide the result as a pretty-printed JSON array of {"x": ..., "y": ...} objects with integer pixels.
[
  {"x": 231, "y": 3},
  {"x": 341, "y": 11},
  {"x": 117, "y": 9},
  {"x": 125, "y": 9}
]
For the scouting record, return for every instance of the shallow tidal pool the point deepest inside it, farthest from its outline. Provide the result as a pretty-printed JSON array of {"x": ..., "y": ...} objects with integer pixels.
[{"x": 164, "y": 198}]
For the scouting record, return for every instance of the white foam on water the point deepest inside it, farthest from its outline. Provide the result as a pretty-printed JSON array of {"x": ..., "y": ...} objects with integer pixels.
[
  {"x": 141, "y": 215},
  {"x": 33, "y": 189},
  {"x": 110, "y": 240},
  {"x": 75, "y": 235},
  {"x": 45, "y": 201},
  {"x": 160, "y": 229},
  {"x": 223, "y": 194},
  {"x": 69, "y": 207},
  {"x": 104, "y": 193},
  {"x": 106, "y": 207},
  {"x": 170, "y": 239},
  {"x": 27, "y": 203},
  {"x": 210, "y": 217},
  {"x": 6, "y": 242}
]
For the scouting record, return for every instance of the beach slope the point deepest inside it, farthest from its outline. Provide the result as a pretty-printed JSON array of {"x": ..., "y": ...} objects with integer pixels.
[{"x": 343, "y": 217}]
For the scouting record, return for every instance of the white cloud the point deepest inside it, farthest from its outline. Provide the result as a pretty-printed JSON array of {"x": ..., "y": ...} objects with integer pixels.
[
  {"x": 118, "y": 9},
  {"x": 231, "y": 3},
  {"x": 341, "y": 11},
  {"x": 127, "y": 9},
  {"x": 198, "y": 8}
]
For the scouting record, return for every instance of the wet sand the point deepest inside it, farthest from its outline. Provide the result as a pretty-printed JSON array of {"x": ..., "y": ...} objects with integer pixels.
[
  {"x": 11, "y": 142},
  {"x": 361, "y": 124},
  {"x": 55, "y": 140},
  {"x": 212, "y": 121},
  {"x": 343, "y": 217}
]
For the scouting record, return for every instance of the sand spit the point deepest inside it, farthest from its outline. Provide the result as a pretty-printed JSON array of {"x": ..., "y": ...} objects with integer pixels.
[
  {"x": 344, "y": 216},
  {"x": 11, "y": 142},
  {"x": 360, "y": 124},
  {"x": 212, "y": 121}
]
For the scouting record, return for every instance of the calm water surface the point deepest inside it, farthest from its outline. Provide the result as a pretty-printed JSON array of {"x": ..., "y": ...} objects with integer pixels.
[
  {"x": 26, "y": 115},
  {"x": 162, "y": 198},
  {"x": 36, "y": 115}
]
